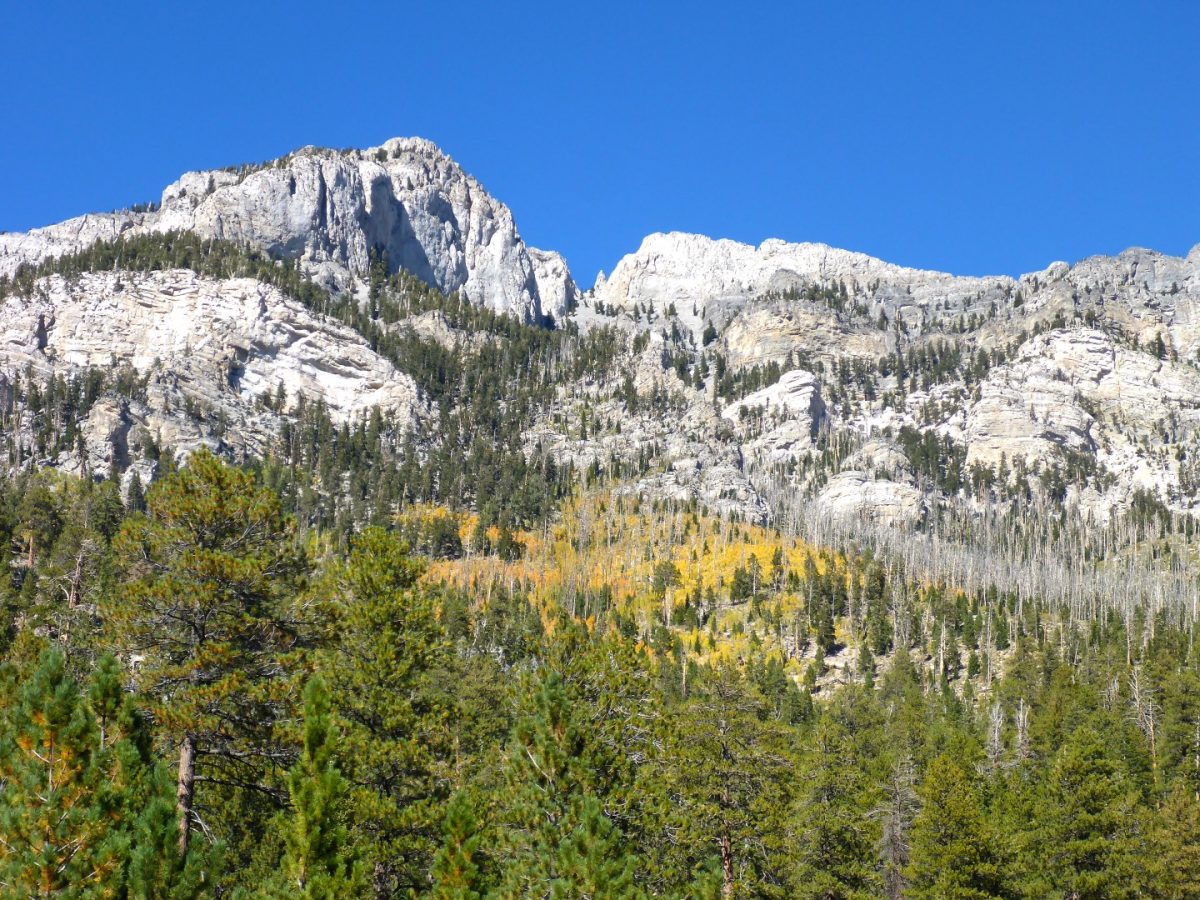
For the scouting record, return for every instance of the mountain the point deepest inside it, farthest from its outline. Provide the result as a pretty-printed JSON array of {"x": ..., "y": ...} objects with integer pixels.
[
  {"x": 330, "y": 210},
  {"x": 1073, "y": 364},
  {"x": 749, "y": 571},
  {"x": 746, "y": 378},
  {"x": 201, "y": 354}
]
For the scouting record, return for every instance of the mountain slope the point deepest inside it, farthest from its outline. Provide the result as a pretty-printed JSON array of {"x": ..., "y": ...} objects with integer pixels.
[
  {"x": 1111, "y": 389},
  {"x": 750, "y": 379}
]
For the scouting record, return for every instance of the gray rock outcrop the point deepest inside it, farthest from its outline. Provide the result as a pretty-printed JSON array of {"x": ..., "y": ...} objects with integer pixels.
[
  {"x": 331, "y": 209},
  {"x": 214, "y": 359}
]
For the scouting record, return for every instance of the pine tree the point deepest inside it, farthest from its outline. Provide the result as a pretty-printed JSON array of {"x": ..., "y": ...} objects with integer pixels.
[
  {"x": 55, "y": 819},
  {"x": 135, "y": 494},
  {"x": 1180, "y": 744},
  {"x": 723, "y": 779},
  {"x": 895, "y": 815},
  {"x": 1088, "y": 828},
  {"x": 953, "y": 852},
  {"x": 866, "y": 664},
  {"x": 212, "y": 570},
  {"x": 1174, "y": 866},
  {"x": 105, "y": 697},
  {"x": 141, "y": 788},
  {"x": 156, "y": 869},
  {"x": 833, "y": 856},
  {"x": 86, "y": 808},
  {"x": 555, "y": 841},
  {"x": 317, "y": 864},
  {"x": 385, "y": 667},
  {"x": 614, "y": 700},
  {"x": 456, "y": 874}
]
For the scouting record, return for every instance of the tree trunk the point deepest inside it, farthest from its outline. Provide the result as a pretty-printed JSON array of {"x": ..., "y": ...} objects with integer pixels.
[
  {"x": 184, "y": 788},
  {"x": 727, "y": 867}
]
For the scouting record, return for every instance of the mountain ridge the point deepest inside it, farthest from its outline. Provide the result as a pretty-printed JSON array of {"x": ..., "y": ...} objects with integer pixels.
[
  {"x": 77, "y": 232},
  {"x": 331, "y": 210},
  {"x": 994, "y": 372}
]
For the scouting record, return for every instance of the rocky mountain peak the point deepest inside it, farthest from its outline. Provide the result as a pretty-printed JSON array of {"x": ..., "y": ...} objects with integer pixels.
[{"x": 330, "y": 210}]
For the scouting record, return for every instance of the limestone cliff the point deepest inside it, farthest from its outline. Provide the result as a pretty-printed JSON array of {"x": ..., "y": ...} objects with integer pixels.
[{"x": 331, "y": 209}]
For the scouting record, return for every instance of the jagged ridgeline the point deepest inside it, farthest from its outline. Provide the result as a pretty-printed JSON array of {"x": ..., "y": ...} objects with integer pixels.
[{"x": 481, "y": 390}]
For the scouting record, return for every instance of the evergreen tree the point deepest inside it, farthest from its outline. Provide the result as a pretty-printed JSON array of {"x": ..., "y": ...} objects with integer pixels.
[
  {"x": 59, "y": 827},
  {"x": 86, "y": 810},
  {"x": 954, "y": 853},
  {"x": 212, "y": 570},
  {"x": 723, "y": 780},
  {"x": 833, "y": 855},
  {"x": 135, "y": 494},
  {"x": 157, "y": 871},
  {"x": 385, "y": 667},
  {"x": 554, "y": 838},
  {"x": 317, "y": 864},
  {"x": 1180, "y": 743},
  {"x": 1088, "y": 830},
  {"x": 895, "y": 815},
  {"x": 613, "y": 699},
  {"x": 866, "y": 664},
  {"x": 142, "y": 789},
  {"x": 1174, "y": 857},
  {"x": 456, "y": 874}
]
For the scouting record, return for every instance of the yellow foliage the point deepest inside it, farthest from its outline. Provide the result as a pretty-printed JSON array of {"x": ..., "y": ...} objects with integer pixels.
[{"x": 605, "y": 541}]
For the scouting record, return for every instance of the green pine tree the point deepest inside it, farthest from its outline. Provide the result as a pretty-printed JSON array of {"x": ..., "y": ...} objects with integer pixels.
[
  {"x": 135, "y": 494},
  {"x": 86, "y": 809},
  {"x": 144, "y": 791},
  {"x": 895, "y": 815},
  {"x": 1089, "y": 823},
  {"x": 1174, "y": 864},
  {"x": 953, "y": 854},
  {"x": 833, "y": 855},
  {"x": 317, "y": 864},
  {"x": 212, "y": 569},
  {"x": 60, "y": 828},
  {"x": 723, "y": 783},
  {"x": 156, "y": 870},
  {"x": 554, "y": 839},
  {"x": 456, "y": 874},
  {"x": 385, "y": 665}
]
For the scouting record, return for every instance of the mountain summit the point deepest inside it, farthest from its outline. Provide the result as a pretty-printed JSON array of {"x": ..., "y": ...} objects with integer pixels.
[{"x": 330, "y": 210}]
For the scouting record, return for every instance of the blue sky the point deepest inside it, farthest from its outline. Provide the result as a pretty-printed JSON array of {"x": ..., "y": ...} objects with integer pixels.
[{"x": 970, "y": 137}]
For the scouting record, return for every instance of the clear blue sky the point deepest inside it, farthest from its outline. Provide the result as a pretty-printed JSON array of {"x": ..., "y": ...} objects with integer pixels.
[{"x": 964, "y": 136}]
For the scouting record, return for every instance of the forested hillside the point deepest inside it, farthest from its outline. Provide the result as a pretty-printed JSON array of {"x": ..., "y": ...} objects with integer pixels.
[{"x": 199, "y": 699}]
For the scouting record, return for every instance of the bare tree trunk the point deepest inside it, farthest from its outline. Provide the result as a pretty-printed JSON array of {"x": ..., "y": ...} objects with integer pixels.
[
  {"x": 726, "y": 867},
  {"x": 185, "y": 788}
]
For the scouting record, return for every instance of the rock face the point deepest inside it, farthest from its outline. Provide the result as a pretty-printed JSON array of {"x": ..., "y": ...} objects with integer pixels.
[
  {"x": 771, "y": 332},
  {"x": 1106, "y": 386},
  {"x": 330, "y": 210},
  {"x": 875, "y": 485},
  {"x": 207, "y": 353},
  {"x": 1082, "y": 392},
  {"x": 709, "y": 280},
  {"x": 856, "y": 496},
  {"x": 70, "y": 236},
  {"x": 786, "y": 415},
  {"x": 556, "y": 288}
]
